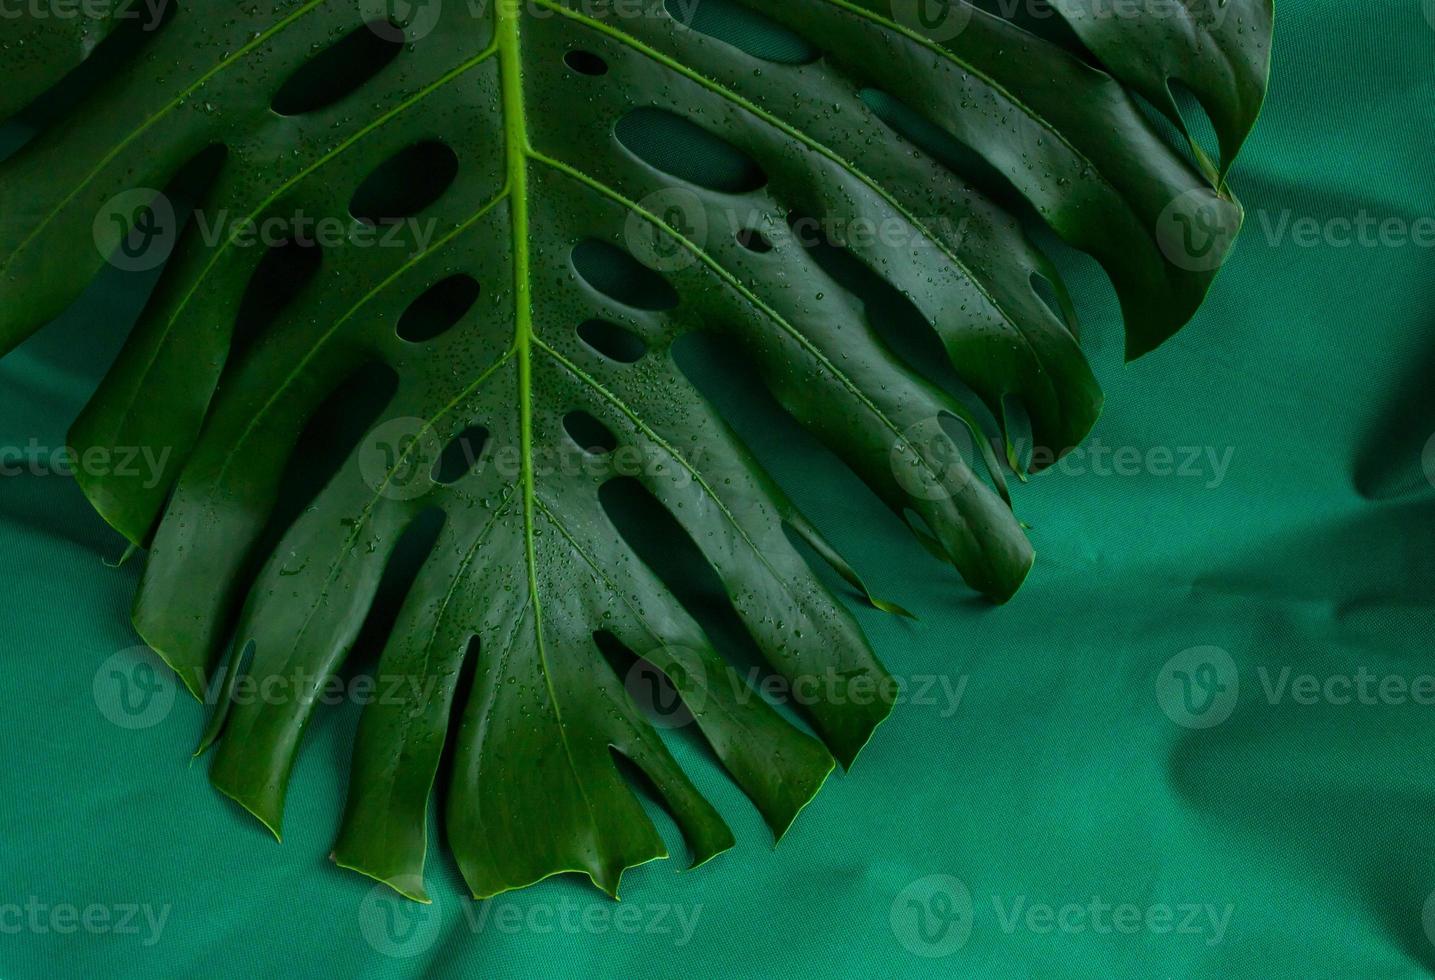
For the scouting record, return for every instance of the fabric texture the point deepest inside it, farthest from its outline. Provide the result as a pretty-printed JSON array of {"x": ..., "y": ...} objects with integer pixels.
[{"x": 1197, "y": 744}]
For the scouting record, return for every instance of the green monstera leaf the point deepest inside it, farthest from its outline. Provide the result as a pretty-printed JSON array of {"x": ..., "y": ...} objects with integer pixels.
[{"x": 509, "y": 213}]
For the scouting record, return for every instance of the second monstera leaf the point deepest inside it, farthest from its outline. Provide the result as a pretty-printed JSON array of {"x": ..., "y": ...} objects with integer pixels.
[{"x": 524, "y": 313}]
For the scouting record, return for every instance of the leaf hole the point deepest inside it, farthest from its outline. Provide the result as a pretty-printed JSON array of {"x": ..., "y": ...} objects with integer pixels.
[
  {"x": 612, "y": 341},
  {"x": 744, "y": 29},
  {"x": 337, "y": 71},
  {"x": 406, "y": 183},
  {"x": 585, "y": 63},
  {"x": 439, "y": 309},
  {"x": 622, "y": 278},
  {"x": 401, "y": 571},
  {"x": 754, "y": 241},
  {"x": 591, "y": 435},
  {"x": 280, "y": 277},
  {"x": 461, "y": 456},
  {"x": 684, "y": 150}
]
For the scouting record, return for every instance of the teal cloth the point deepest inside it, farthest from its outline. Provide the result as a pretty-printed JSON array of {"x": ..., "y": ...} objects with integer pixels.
[{"x": 1099, "y": 801}]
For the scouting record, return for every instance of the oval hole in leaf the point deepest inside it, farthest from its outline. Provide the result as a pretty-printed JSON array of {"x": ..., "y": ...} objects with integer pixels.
[
  {"x": 406, "y": 183},
  {"x": 460, "y": 456},
  {"x": 754, "y": 241},
  {"x": 612, "y": 341},
  {"x": 688, "y": 152},
  {"x": 281, "y": 276},
  {"x": 401, "y": 571},
  {"x": 335, "y": 72},
  {"x": 616, "y": 274},
  {"x": 585, "y": 63},
  {"x": 439, "y": 309},
  {"x": 591, "y": 435},
  {"x": 744, "y": 29}
]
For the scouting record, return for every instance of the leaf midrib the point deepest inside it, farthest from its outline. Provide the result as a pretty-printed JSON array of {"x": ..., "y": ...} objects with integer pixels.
[{"x": 518, "y": 150}]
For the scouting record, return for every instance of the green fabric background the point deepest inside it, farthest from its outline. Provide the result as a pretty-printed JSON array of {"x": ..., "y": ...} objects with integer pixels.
[{"x": 1059, "y": 780}]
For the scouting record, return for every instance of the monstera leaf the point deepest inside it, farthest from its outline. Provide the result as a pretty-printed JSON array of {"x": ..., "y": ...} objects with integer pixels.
[{"x": 508, "y": 213}]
